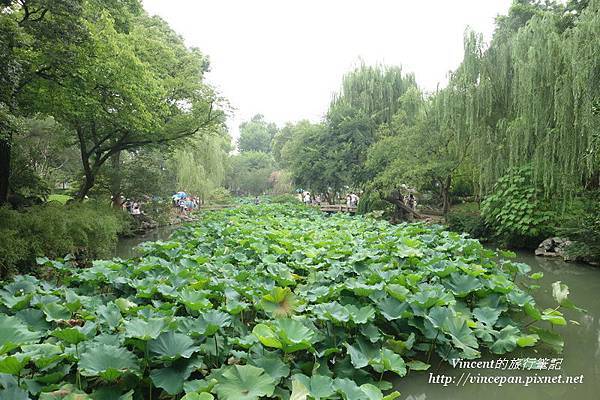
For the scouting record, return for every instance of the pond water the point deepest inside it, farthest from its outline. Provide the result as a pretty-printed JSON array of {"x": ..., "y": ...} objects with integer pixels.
[
  {"x": 126, "y": 246},
  {"x": 581, "y": 353},
  {"x": 580, "y": 357}
]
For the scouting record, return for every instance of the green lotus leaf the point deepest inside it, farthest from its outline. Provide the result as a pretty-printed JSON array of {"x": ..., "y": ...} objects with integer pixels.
[
  {"x": 362, "y": 315},
  {"x": 267, "y": 336},
  {"x": 553, "y": 316},
  {"x": 392, "y": 309},
  {"x": 198, "y": 396},
  {"x": 171, "y": 346},
  {"x": 462, "y": 336},
  {"x": 110, "y": 315},
  {"x": 15, "y": 393},
  {"x": 211, "y": 321},
  {"x": 172, "y": 378},
  {"x": 56, "y": 312},
  {"x": 144, "y": 329},
  {"x": 199, "y": 385},
  {"x": 506, "y": 340},
  {"x": 532, "y": 311},
  {"x": 125, "y": 305},
  {"x": 461, "y": 284},
  {"x": 398, "y": 292},
  {"x": 13, "y": 365},
  {"x": 273, "y": 365},
  {"x": 438, "y": 316},
  {"x": 14, "y": 333},
  {"x": 387, "y": 360},
  {"x": 416, "y": 365},
  {"x": 361, "y": 352},
  {"x": 111, "y": 393},
  {"x": 318, "y": 386},
  {"x": 552, "y": 339},
  {"x": 527, "y": 340},
  {"x": 34, "y": 319},
  {"x": 244, "y": 382},
  {"x": 107, "y": 362},
  {"x": 519, "y": 298},
  {"x": 299, "y": 391},
  {"x": 43, "y": 354},
  {"x": 349, "y": 390},
  {"x": 70, "y": 335},
  {"x": 69, "y": 392},
  {"x": 195, "y": 300},
  {"x": 279, "y": 302},
  {"x": 13, "y": 302},
  {"x": 294, "y": 335},
  {"x": 332, "y": 311},
  {"x": 487, "y": 315}
]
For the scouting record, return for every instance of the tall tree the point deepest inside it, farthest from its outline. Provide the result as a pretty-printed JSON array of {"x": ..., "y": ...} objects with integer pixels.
[
  {"x": 38, "y": 38},
  {"x": 133, "y": 88},
  {"x": 256, "y": 135}
]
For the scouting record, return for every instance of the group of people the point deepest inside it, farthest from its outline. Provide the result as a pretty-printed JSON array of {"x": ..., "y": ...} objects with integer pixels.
[
  {"x": 185, "y": 202},
  {"x": 411, "y": 201},
  {"x": 352, "y": 199},
  {"x": 132, "y": 207},
  {"x": 308, "y": 199}
]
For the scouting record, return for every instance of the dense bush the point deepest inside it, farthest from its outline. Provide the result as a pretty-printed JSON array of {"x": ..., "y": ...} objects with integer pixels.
[
  {"x": 220, "y": 195},
  {"x": 514, "y": 210},
  {"x": 467, "y": 218},
  {"x": 371, "y": 201},
  {"x": 285, "y": 199},
  {"x": 581, "y": 224},
  {"x": 86, "y": 230}
]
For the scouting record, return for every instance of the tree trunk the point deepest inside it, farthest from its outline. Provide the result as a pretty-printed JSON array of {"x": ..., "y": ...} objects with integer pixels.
[
  {"x": 115, "y": 180},
  {"x": 87, "y": 184},
  {"x": 5, "y": 147},
  {"x": 446, "y": 195}
]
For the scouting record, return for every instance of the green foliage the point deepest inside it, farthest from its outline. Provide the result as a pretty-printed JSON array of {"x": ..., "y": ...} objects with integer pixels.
[
  {"x": 266, "y": 300},
  {"x": 467, "y": 218},
  {"x": 284, "y": 199},
  {"x": 87, "y": 230},
  {"x": 249, "y": 173},
  {"x": 581, "y": 224},
  {"x": 256, "y": 135},
  {"x": 514, "y": 210}
]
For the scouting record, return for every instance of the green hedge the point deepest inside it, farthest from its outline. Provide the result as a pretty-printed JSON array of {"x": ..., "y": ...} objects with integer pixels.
[{"x": 86, "y": 230}]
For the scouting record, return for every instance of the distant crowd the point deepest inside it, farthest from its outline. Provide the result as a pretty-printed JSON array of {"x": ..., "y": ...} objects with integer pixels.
[
  {"x": 307, "y": 198},
  {"x": 184, "y": 203}
]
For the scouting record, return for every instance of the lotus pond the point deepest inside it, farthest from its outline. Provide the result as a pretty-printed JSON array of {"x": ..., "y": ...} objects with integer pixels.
[{"x": 274, "y": 301}]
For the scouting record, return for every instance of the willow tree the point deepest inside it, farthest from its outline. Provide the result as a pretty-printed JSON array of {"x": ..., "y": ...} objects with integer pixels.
[
  {"x": 536, "y": 99},
  {"x": 200, "y": 167}
]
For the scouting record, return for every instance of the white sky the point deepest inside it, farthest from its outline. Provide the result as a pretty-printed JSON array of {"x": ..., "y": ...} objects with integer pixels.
[{"x": 285, "y": 58}]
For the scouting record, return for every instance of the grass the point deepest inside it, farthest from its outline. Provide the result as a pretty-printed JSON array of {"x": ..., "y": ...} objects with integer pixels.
[{"x": 61, "y": 198}]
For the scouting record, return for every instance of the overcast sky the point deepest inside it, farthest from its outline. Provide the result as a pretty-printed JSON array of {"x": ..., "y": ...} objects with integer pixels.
[{"x": 285, "y": 58}]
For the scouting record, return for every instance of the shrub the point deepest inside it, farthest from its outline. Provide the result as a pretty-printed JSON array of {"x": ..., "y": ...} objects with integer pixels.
[
  {"x": 371, "y": 201},
  {"x": 467, "y": 218},
  {"x": 285, "y": 199},
  {"x": 87, "y": 230},
  {"x": 220, "y": 195},
  {"x": 581, "y": 224},
  {"x": 514, "y": 210}
]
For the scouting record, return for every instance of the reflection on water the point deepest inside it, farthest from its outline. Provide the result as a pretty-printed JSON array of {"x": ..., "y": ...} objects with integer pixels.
[
  {"x": 126, "y": 247},
  {"x": 581, "y": 354}
]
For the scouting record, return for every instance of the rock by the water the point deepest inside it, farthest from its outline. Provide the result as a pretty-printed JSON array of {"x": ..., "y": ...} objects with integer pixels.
[{"x": 554, "y": 247}]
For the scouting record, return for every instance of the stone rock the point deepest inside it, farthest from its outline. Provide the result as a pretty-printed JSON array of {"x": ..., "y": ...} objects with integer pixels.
[{"x": 554, "y": 247}]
